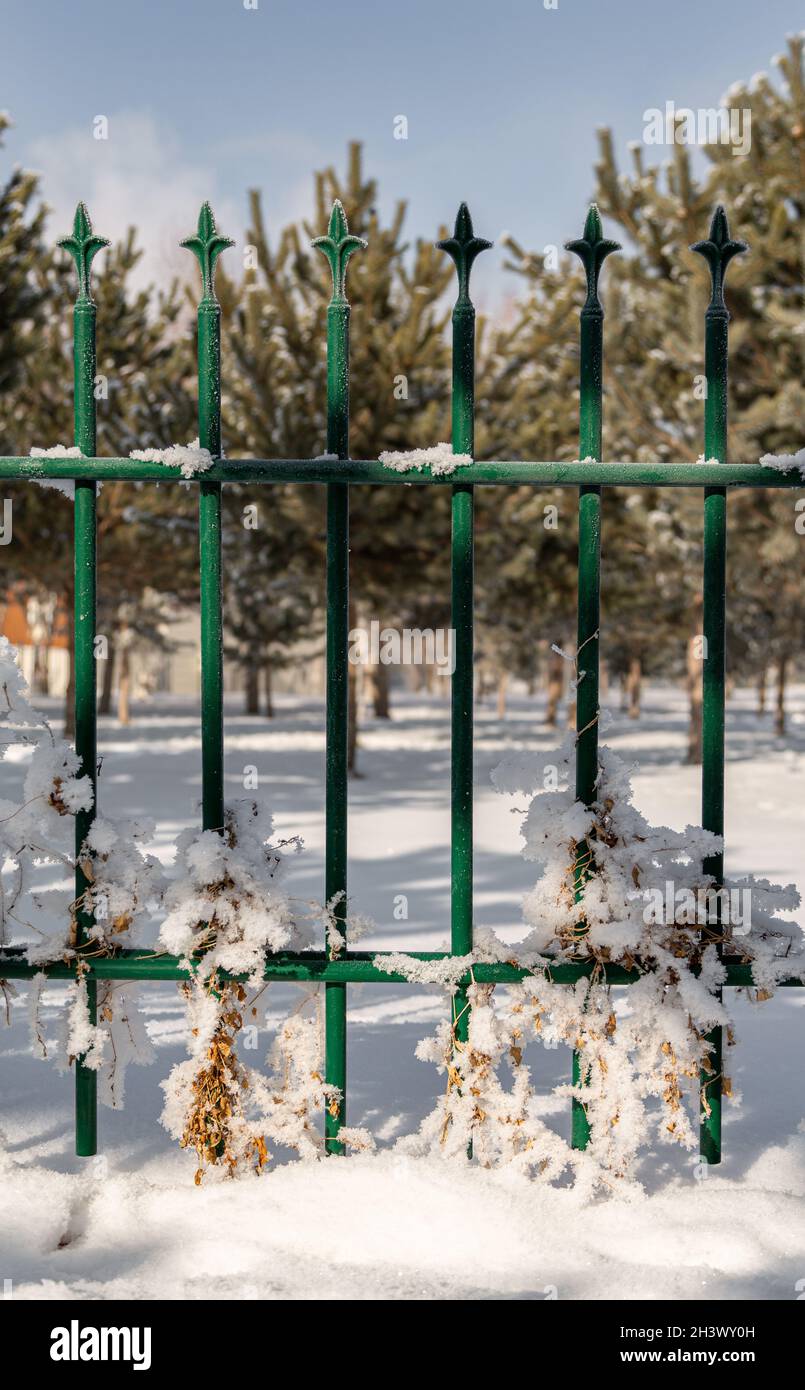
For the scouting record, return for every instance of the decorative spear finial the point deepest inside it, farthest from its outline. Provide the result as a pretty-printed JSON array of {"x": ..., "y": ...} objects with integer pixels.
[
  {"x": 592, "y": 250},
  {"x": 207, "y": 245},
  {"x": 338, "y": 245},
  {"x": 83, "y": 245},
  {"x": 718, "y": 251},
  {"x": 463, "y": 247}
]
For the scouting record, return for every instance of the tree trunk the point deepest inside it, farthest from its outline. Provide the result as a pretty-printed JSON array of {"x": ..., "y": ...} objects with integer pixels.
[
  {"x": 124, "y": 682},
  {"x": 252, "y": 687},
  {"x": 603, "y": 679},
  {"x": 69, "y": 695},
  {"x": 105, "y": 702},
  {"x": 634, "y": 679},
  {"x": 41, "y": 675},
  {"x": 761, "y": 690},
  {"x": 483, "y": 683},
  {"x": 352, "y": 703},
  {"x": 503, "y": 680},
  {"x": 779, "y": 706},
  {"x": 269, "y": 688},
  {"x": 556, "y": 682},
  {"x": 694, "y": 681},
  {"x": 377, "y": 678}
]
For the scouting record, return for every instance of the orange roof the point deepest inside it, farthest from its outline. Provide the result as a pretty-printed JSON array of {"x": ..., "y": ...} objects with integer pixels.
[{"x": 14, "y": 624}]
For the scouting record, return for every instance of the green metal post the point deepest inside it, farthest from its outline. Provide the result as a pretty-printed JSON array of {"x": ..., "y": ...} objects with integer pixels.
[
  {"x": 337, "y": 246},
  {"x": 207, "y": 245},
  {"x": 718, "y": 252},
  {"x": 83, "y": 246},
  {"x": 463, "y": 247},
  {"x": 592, "y": 249}
]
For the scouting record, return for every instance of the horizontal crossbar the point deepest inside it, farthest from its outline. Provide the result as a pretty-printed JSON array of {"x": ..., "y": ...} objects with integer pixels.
[
  {"x": 495, "y": 472},
  {"x": 358, "y": 967}
]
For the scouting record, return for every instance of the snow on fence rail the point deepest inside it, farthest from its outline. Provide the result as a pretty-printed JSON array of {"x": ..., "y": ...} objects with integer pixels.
[{"x": 225, "y": 932}]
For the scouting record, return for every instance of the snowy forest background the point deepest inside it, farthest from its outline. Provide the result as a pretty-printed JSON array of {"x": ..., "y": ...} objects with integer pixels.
[{"x": 527, "y": 401}]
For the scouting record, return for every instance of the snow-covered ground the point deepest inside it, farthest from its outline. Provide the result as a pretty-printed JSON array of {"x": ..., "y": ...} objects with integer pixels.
[{"x": 131, "y": 1223}]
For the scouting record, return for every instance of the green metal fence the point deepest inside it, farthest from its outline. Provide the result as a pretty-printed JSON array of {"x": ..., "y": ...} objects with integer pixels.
[{"x": 338, "y": 472}]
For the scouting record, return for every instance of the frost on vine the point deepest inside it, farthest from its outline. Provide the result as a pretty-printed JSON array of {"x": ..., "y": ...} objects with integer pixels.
[
  {"x": 39, "y": 828},
  {"x": 122, "y": 881},
  {"x": 228, "y": 905},
  {"x": 226, "y": 911},
  {"x": 612, "y": 890},
  {"x": 225, "y": 908},
  {"x": 642, "y": 897}
]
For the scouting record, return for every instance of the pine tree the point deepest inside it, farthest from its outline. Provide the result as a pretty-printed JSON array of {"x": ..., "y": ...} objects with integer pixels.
[
  {"x": 657, "y": 358},
  {"x": 275, "y": 406},
  {"x": 21, "y": 300},
  {"x": 146, "y": 540}
]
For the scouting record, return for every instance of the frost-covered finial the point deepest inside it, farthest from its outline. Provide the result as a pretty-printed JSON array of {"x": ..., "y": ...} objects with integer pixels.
[
  {"x": 338, "y": 245},
  {"x": 592, "y": 250},
  {"x": 718, "y": 251},
  {"x": 207, "y": 245},
  {"x": 83, "y": 245},
  {"x": 463, "y": 246}
]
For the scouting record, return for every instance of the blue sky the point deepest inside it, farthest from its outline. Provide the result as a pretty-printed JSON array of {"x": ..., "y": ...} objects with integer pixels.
[{"x": 206, "y": 98}]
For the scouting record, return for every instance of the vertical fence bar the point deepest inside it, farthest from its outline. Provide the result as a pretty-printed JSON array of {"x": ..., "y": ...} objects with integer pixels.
[
  {"x": 592, "y": 249},
  {"x": 207, "y": 245},
  {"x": 462, "y": 247},
  {"x": 83, "y": 246},
  {"x": 337, "y": 246},
  {"x": 718, "y": 252}
]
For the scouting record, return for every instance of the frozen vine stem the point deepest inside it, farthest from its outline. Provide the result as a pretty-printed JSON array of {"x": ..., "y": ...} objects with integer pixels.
[{"x": 225, "y": 912}]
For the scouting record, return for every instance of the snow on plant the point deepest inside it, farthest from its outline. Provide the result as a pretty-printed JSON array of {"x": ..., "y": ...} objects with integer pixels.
[
  {"x": 228, "y": 905},
  {"x": 124, "y": 885},
  {"x": 206, "y": 1096},
  {"x": 120, "y": 879},
  {"x": 479, "y": 1108},
  {"x": 124, "y": 882},
  {"x": 118, "y": 1040},
  {"x": 352, "y": 927},
  {"x": 293, "y": 1095},
  {"x": 604, "y": 872},
  {"x": 38, "y": 829},
  {"x": 229, "y": 1113},
  {"x": 226, "y": 911}
]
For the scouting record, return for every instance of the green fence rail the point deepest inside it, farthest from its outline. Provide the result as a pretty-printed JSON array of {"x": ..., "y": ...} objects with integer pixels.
[{"x": 338, "y": 472}]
